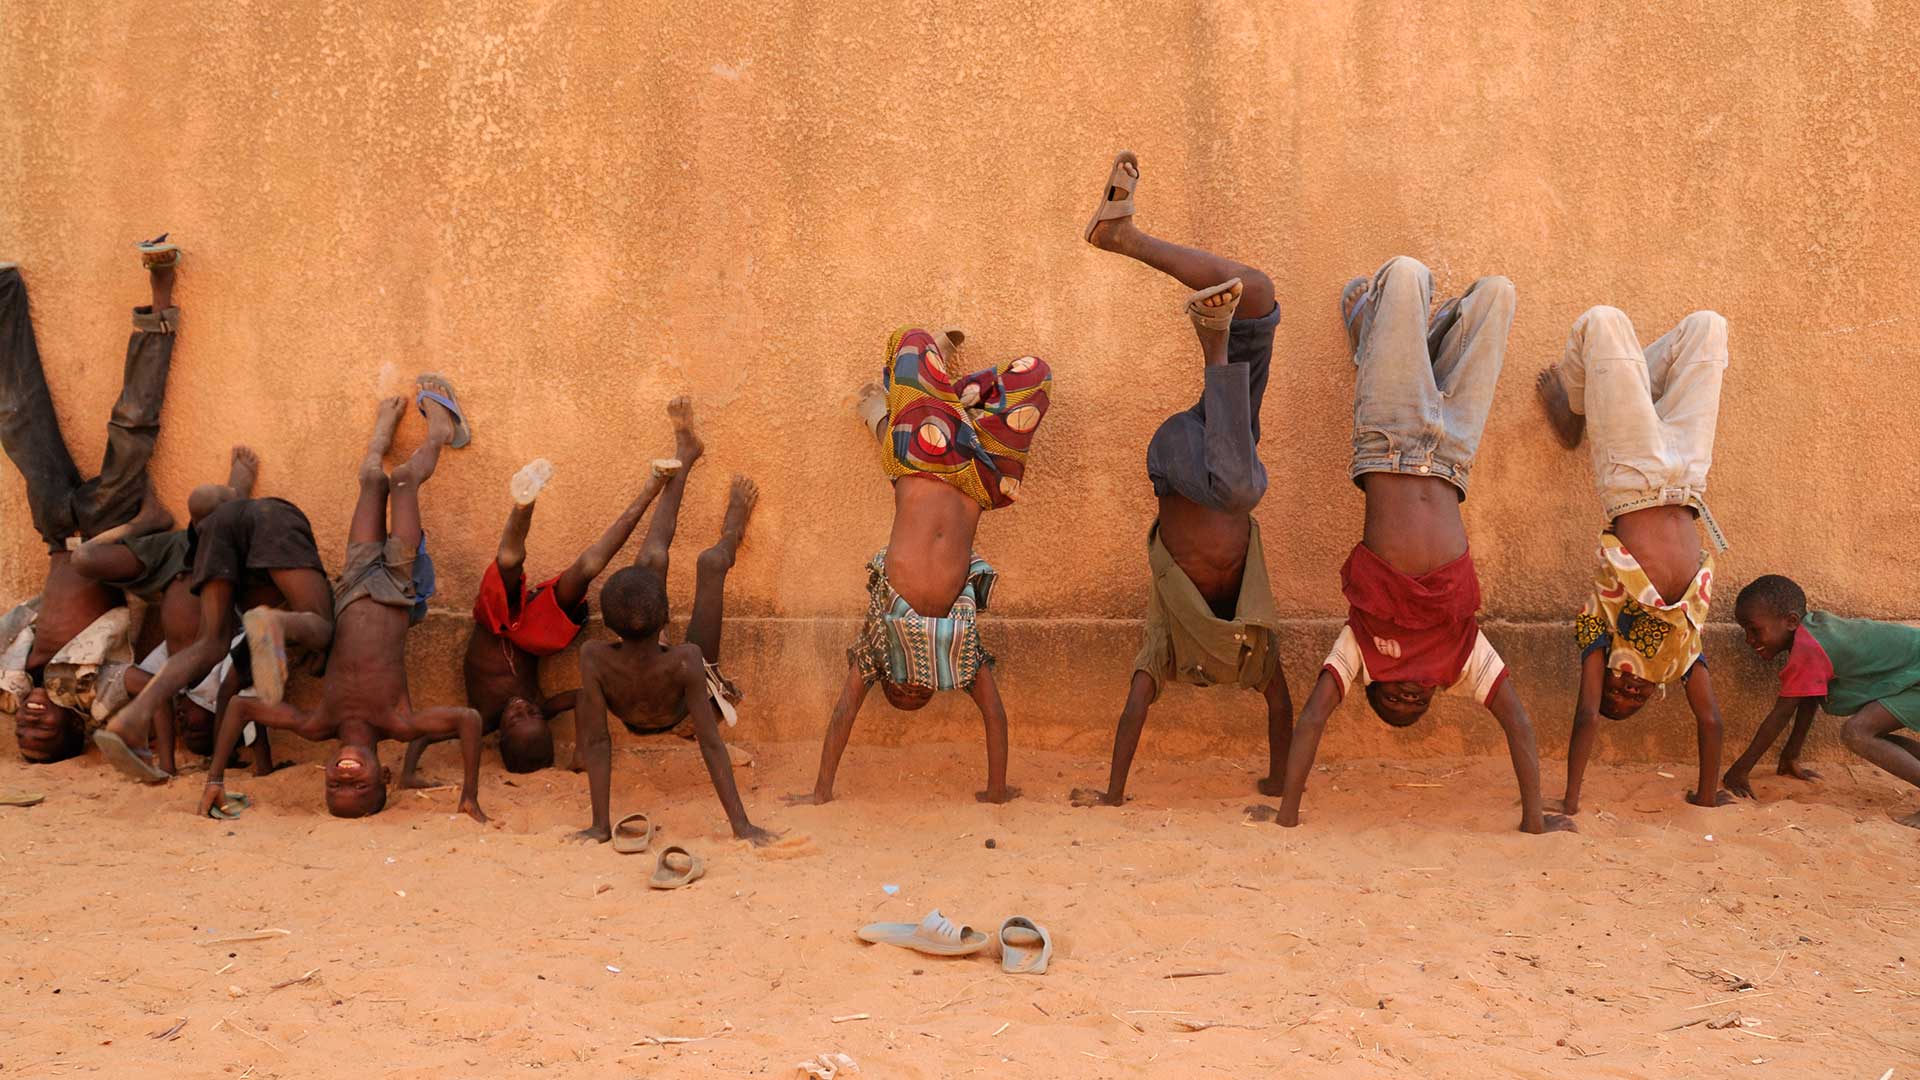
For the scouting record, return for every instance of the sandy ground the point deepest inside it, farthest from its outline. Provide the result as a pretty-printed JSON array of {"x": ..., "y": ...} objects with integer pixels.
[{"x": 1404, "y": 931}]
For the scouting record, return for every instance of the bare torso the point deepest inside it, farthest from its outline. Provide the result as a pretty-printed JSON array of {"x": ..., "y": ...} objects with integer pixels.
[
  {"x": 69, "y": 603},
  {"x": 366, "y": 682},
  {"x": 1209, "y": 546},
  {"x": 932, "y": 543},
  {"x": 497, "y": 671},
  {"x": 1413, "y": 522},
  {"x": 1665, "y": 543},
  {"x": 640, "y": 682}
]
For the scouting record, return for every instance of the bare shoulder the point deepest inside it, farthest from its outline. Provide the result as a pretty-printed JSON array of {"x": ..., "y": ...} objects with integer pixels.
[
  {"x": 593, "y": 659},
  {"x": 688, "y": 663}
]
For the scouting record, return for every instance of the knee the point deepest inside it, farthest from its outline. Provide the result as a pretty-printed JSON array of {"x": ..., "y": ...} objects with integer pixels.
[
  {"x": 405, "y": 475},
  {"x": 1706, "y": 327},
  {"x": 1604, "y": 318},
  {"x": 89, "y": 561},
  {"x": 1257, "y": 295},
  {"x": 1857, "y": 735},
  {"x": 1239, "y": 497},
  {"x": 1403, "y": 268}
]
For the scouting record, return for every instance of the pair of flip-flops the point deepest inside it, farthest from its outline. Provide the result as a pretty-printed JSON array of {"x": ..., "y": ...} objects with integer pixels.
[
  {"x": 1025, "y": 946},
  {"x": 675, "y": 869}
]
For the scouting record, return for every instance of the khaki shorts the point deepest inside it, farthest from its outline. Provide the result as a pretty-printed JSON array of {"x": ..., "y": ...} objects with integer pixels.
[{"x": 381, "y": 572}]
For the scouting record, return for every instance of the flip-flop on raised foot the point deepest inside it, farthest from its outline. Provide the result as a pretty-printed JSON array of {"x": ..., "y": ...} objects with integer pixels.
[
  {"x": 1025, "y": 946},
  {"x": 1219, "y": 317},
  {"x": 1110, "y": 208},
  {"x": 677, "y": 869},
  {"x": 666, "y": 467},
  {"x": 432, "y": 386},
  {"x": 267, "y": 647},
  {"x": 132, "y": 762},
  {"x": 936, "y": 935},
  {"x": 157, "y": 253},
  {"x": 530, "y": 481},
  {"x": 633, "y": 834}
]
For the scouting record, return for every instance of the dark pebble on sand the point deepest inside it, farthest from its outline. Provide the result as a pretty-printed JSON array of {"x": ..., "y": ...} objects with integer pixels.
[{"x": 990, "y": 842}]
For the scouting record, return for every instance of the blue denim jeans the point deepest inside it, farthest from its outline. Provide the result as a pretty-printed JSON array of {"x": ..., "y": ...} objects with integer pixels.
[
  {"x": 1210, "y": 453},
  {"x": 1424, "y": 385}
]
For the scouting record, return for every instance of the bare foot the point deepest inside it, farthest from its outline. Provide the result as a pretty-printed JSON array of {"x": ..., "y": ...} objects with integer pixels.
[
  {"x": 386, "y": 418},
  {"x": 1798, "y": 771},
  {"x": 1562, "y": 806},
  {"x": 1557, "y": 823},
  {"x": 997, "y": 797},
  {"x": 1911, "y": 821},
  {"x": 1720, "y": 798},
  {"x": 1567, "y": 427},
  {"x": 1086, "y": 796},
  {"x": 687, "y": 444},
  {"x": 471, "y": 808},
  {"x": 244, "y": 470},
  {"x": 1113, "y": 234},
  {"x": 152, "y": 518},
  {"x": 742, "y": 497},
  {"x": 807, "y": 798},
  {"x": 592, "y": 834},
  {"x": 755, "y": 835},
  {"x": 1274, "y": 785}
]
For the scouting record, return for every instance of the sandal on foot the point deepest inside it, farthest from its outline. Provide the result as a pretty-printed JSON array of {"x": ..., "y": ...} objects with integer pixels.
[
  {"x": 530, "y": 481},
  {"x": 435, "y": 387},
  {"x": 871, "y": 408},
  {"x": 157, "y": 253},
  {"x": 267, "y": 648},
  {"x": 1215, "y": 318},
  {"x": 1110, "y": 208},
  {"x": 666, "y": 467},
  {"x": 935, "y": 935},
  {"x": 949, "y": 339},
  {"x": 137, "y": 764},
  {"x": 1353, "y": 305},
  {"x": 633, "y": 834},
  {"x": 230, "y": 807},
  {"x": 677, "y": 869},
  {"x": 1025, "y": 946}
]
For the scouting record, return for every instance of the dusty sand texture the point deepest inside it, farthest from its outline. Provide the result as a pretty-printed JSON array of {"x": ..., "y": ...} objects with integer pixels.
[
  {"x": 1403, "y": 931},
  {"x": 578, "y": 210}
]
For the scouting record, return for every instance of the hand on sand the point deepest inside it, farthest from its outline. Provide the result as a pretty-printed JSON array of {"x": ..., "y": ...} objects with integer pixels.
[
  {"x": 807, "y": 798},
  {"x": 1798, "y": 771},
  {"x": 1720, "y": 798},
  {"x": 1005, "y": 795},
  {"x": 471, "y": 808},
  {"x": 1739, "y": 785},
  {"x": 1555, "y": 823},
  {"x": 1086, "y": 796},
  {"x": 755, "y": 835},
  {"x": 211, "y": 795},
  {"x": 594, "y": 833}
]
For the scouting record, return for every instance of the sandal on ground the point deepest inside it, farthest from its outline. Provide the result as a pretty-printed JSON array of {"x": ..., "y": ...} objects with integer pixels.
[
  {"x": 1025, "y": 947},
  {"x": 677, "y": 869},
  {"x": 935, "y": 935},
  {"x": 633, "y": 834},
  {"x": 229, "y": 807}
]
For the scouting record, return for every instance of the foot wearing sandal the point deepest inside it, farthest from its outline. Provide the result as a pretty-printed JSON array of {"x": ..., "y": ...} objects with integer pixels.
[
  {"x": 267, "y": 648},
  {"x": 1212, "y": 311},
  {"x": 530, "y": 481},
  {"x": 687, "y": 443},
  {"x": 446, "y": 420},
  {"x": 1112, "y": 223},
  {"x": 1353, "y": 309},
  {"x": 158, "y": 255},
  {"x": 871, "y": 407},
  {"x": 137, "y": 764}
]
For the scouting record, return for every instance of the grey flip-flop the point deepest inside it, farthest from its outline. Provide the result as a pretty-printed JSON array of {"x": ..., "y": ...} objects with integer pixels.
[
  {"x": 432, "y": 386},
  {"x": 1025, "y": 946},
  {"x": 230, "y": 807},
  {"x": 935, "y": 935},
  {"x": 667, "y": 875},
  {"x": 1353, "y": 306},
  {"x": 633, "y": 834},
  {"x": 127, "y": 759}
]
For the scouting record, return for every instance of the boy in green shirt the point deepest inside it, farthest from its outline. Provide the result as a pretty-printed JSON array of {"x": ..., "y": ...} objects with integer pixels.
[{"x": 1863, "y": 669}]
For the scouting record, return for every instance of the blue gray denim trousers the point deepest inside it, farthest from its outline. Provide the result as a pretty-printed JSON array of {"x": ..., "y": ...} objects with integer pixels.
[
  {"x": 1210, "y": 453},
  {"x": 1424, "y": 385}
]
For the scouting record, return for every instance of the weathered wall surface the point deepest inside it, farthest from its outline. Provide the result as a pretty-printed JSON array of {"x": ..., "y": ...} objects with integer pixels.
[{"x": 580, "y": 209}]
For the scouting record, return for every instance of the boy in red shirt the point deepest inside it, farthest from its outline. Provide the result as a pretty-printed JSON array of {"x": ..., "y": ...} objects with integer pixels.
[
  {"x": 1422, "y": 391},
  {"x": 1863, "y": 669}
]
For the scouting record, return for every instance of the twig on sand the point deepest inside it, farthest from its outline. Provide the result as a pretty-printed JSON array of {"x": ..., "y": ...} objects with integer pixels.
[
  {"x": 964, "y": 991},
  {"x": 257, "y": 935},
  {"x": 172, "y": 1032},
  {"x": 284, "y": 983},
  {"x": 1001, "y": 1028},
  {"x": 675, "y": 1040},
  {"x": 241, "y": 1028},
  {"x": 1194, "y": 974},
  {"x": 1136, "y": 1027},
  {"x": 1729, "y": 1001},
  {"x": 852, "y": 1016},
  {"x": 1202, "y": 1025}
]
